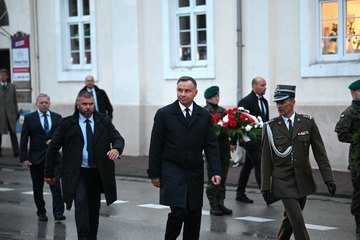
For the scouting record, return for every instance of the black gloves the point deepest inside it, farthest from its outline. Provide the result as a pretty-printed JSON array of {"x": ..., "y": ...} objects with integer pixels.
[
  {"x": 331, "y": 187},
  {"x": 266, "y": 195}
]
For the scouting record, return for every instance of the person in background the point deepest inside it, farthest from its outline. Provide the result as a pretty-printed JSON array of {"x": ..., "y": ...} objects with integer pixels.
[
  {"x": 285, "y": 166},
  {"x": 90, "y": 145},
  {"x": 257, "y": 105},
  {"x": 347, "y": 126},
  {"x": 216, "y": 193},
  {"x": 8, "y": 111},
  {"x": 181, "y": 132},
  {"x": 101, "y": 100},
  {"x": 39, "y": 126}
]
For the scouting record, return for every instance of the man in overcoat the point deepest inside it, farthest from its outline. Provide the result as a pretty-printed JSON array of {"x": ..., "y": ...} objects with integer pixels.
[
  {"x": 90, "y": 145},
  {"x": 101, "y": 100},
  {"x": 180, "y": 134},
  {"x": 39, "y": 126},
  {"x": 8, "y": 111},
  {"x": 285, "y": 166}
]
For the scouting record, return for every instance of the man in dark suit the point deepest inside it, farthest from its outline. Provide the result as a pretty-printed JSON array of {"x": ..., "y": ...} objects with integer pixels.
[
  {"x": 39, "y": 126},
  {"x": 285, "y": 166},
  {"x": 90, "y": 144},
  {"x": 256, "y": 103},
  {"x": 181, "y": 132},
  {"x": 101, "y": 101}
]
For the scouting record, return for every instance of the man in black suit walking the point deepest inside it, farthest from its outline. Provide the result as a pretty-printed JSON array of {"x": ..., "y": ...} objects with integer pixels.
[
  {"x": 258, "y": 106},
  {"x": 101, "y": 100},
  {"x": 181, "y": 131},
  {"x": 39, "y": 126},
  {"x": 90, "y": 145}
]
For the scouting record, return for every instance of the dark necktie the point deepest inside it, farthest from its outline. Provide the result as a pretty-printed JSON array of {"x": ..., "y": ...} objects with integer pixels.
[
  {"x": 90, "y": 144},
  {"x": 46, "y": 125},
  {"x": 262, "y": 108},
  {"x": 290, "y": 127},
  {"x": 187, "y": 114}
]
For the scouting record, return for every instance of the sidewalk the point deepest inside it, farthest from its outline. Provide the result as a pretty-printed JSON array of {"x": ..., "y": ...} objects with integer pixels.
[{"x": 130, "y": 166}]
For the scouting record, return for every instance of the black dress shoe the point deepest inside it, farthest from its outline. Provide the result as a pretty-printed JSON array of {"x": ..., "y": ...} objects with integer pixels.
[
  {"x": 60, "y": 217},
  {"x": 225, "y": 210},
  {"x": 216, "y": 211},
  {"x": 272, "y": 200},
  {"x": 42, "y": 217},
  {"x": 243, "y": 198}
]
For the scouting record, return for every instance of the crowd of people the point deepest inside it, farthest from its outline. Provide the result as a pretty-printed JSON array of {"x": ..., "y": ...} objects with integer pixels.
[{"x": 182, "y": 140}]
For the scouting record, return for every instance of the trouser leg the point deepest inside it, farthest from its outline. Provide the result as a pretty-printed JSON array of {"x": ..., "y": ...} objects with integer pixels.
[
  {"x": 174, "y": 223},
  {"x": 57, "y": 200},
  {"x": 293, "y": 221},
  {"x": 37, "y": 177},
  {"x": 244, "y": 176},
  {"x": 192, "y": 224}
]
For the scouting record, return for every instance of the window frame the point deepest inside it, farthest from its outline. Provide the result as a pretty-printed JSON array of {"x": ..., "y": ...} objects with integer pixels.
[
  {"x": 313, "y": 62},
  {"x": 173, "y": 67},
  {"x": 65, "y": 70}
]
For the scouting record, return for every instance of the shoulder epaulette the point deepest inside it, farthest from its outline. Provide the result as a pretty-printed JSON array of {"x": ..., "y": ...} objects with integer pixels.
[
  {"x": 305, "y": 116},
  {"x": 272, "y": 120}
]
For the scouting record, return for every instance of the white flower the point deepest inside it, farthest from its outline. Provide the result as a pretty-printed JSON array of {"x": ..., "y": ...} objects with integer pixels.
[
  {"x": 246, "y": 138},
  {"x": 241, "y": 108},
  {"x": 248, "y": 128},
  {"x": 226, "y": 118}
]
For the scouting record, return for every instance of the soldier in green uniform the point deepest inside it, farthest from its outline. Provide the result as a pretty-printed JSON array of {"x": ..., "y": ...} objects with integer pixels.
[
  {"x": 285, "y": 166},
  {"x": 216, "y": 193},
  {"x": 346, "y": 127}
]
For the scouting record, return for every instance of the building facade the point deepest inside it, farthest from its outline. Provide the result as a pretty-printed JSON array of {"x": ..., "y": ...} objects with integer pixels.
[{"x": 136, "y": 50}]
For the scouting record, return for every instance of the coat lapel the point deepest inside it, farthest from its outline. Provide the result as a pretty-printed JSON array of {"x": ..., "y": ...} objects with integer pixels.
[{"x": 297, "y": 125}]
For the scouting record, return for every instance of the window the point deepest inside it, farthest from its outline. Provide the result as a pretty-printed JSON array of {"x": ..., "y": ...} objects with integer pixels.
[
  {"x": 340, "y": 29},
  {"x": 76, "y": 49},
  {"x": 190, "y": 46},
  {"x": 330, "y": 38},
  {"x": 79, "y": 32}
]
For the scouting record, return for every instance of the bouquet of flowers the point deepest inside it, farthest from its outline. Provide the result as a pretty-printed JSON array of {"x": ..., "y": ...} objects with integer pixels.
[{"x": 238, "y": 123}]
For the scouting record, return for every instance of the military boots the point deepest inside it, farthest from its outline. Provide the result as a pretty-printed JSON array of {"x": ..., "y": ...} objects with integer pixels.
[
  {"x": 224, "y": 209},
  {"x": 215, "y": 210}
]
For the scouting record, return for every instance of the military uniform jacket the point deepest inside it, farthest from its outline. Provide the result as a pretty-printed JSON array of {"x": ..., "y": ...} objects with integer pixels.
[
  {"x": 291, "y": 176},
  {"x": 348, "y": 125}
]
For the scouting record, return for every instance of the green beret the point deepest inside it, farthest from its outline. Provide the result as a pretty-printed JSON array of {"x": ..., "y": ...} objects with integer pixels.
[
  {"x": 355, "y": 85},
  {"x": 211, "y": 91}
]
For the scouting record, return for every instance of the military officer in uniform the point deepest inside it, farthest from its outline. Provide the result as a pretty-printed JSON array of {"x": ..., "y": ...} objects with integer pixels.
[
  {"x": 346, "y": 127},
  {"x": 216, "y": 193},
  {"x": 285, "y": 167}
]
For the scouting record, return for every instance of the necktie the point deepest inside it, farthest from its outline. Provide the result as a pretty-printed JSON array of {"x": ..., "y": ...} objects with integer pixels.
[
  {"x": 46, "y": 125},
  {"x": 262, "y": 108},
  {"x": 90, "y": 144},
  {"x": 290, "y": 127},
  {"x": 187, "y": 114}
]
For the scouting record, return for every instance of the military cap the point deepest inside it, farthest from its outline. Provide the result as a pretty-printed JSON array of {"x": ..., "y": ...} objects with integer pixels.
[
  {"x": 211, "y": 91},
  {"x": 355, "y": 85},
  {"x": 283, "y": 92}
]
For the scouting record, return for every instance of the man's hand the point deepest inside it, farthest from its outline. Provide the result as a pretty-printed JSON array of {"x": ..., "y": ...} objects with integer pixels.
[
  {"x": 50, "y": 181},
  {"x": 216, "y": 179},
  {"x": 266, "y": 195},
  {"x": 113, "y": 154},
  {"x": 156, "y": 182},
  {"x": 331, "y": 187},
  {"x": 26, "y": 164}
]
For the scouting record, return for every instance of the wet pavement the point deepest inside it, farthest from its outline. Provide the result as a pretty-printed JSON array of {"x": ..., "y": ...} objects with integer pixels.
[{"x": 136, "y": 215}]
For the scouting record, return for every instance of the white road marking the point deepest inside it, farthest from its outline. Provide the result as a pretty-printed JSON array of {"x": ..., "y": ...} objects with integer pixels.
[
  {"x": 116, "y": 202},
  {"x": 155, "y": 206},
  {"x": 319, "y": 227},
  {"x": 6, "y": 189},
  {"x": 255, "y": 219}
]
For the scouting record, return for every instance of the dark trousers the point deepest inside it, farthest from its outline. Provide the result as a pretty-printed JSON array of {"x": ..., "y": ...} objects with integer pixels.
[
  {"x": 293, "y": 221},
  {"x": 37, "y": 177},
  {"x": 355, "y": 199},
  {"x": 14, "y": 141},
  {"x": 252, "y": 160},
  {"x": 87, "y": 203},
  {"x": 179, "y": 216}
]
